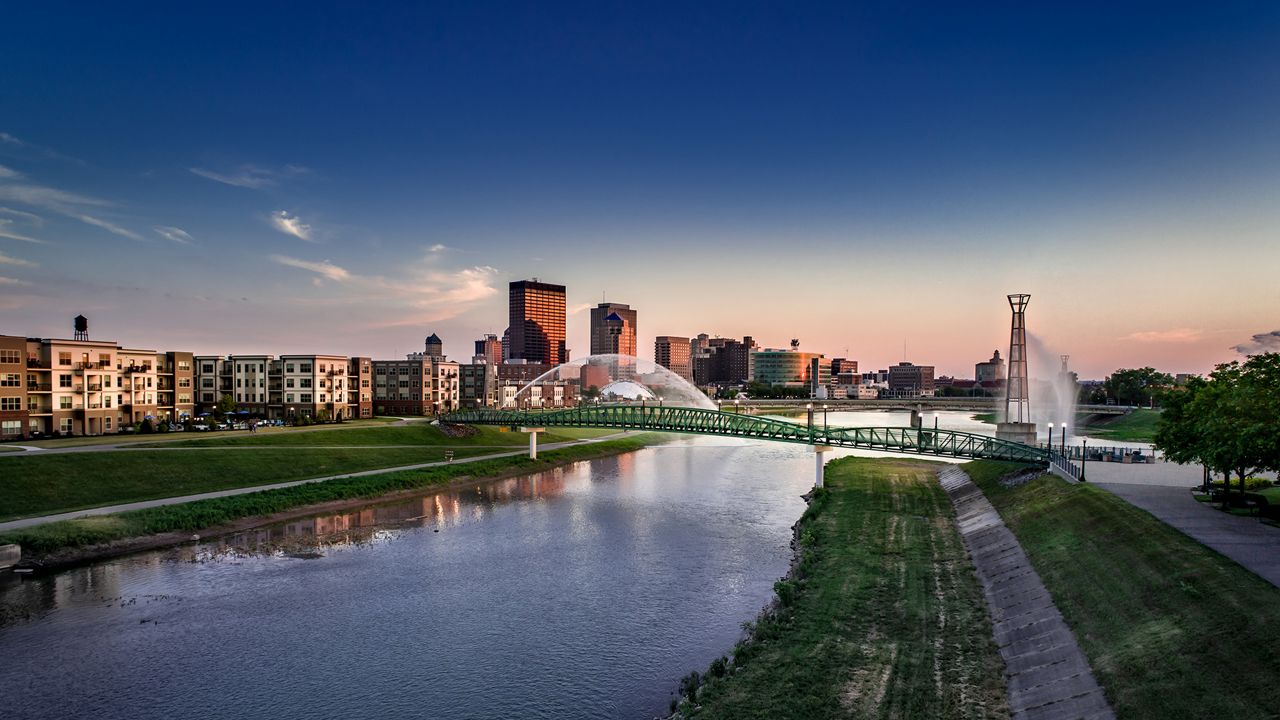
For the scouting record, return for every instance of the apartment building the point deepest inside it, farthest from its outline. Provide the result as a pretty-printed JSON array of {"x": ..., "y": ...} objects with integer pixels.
[
  {"x": 314, "y": 385},
  {"x": 419, "y": 385},
  {"x": 359, "y": 387},
  {"x": 479, "y": 383},
  {"x": 88, "y": 387}
]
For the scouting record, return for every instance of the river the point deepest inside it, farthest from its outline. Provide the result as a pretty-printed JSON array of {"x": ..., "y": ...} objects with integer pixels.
[{"x": 581, "y": 592}]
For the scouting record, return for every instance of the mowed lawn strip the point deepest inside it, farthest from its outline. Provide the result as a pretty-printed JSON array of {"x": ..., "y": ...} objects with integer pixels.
[
  {"x": 35, "y": 485},
  {"x": 202, "y": 514},
  {"x": 887, "y": 621},
  {"x": 413, "y": 434},
  {"x": 1171, "y": 628}
]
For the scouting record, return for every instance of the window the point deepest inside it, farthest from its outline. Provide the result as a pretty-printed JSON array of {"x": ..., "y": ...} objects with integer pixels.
[
  {"x": 206, "y": 383},
  {"x": 184, "y": 399},
  {"x": 288, "y": 397},
  {"x": 106, "y": 381},
  {"x": 304, "y": 383},
  {"x": 364, "y": 382},
  {"x": 10, "y": 379},
  {"x": 106, "y": 401},
  {"x": 33, "y": 404},
  {"x": 184, "y": 366},
  {"x": 206, "y": 397},
  {"x": 304, "y": 397},
  {"x": 64, "y": 381},
  {"x": 322, "y": 397},
  {"x": 64, "y": 358},
  {"x": 65, "y": 425},
  {"x": 288, "y": 367},
  {"x": 10, "y": 357},
  {"x": 304, "y": 367},
  {"x": 184, "y": 382},
  {"x": 10, "y": 403},
  {"x": 11, "y": 427},
  {"x": 404, "y": 383},
  {"x": 64, "y": 403},
  {"x": 104, "y": 360},
  {"x": 106, "y": 423},
  {"x": 206, "y": 367}
]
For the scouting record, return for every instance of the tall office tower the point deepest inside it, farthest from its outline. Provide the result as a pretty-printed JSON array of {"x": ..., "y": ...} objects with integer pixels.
[
  {"x": 613, "y": 329},
  {"x": 1017, "y": 423},
  {"x": 537, "y": 314},
  {"x": 490, "y": 348},
  {"x": 673, "y": 354}
]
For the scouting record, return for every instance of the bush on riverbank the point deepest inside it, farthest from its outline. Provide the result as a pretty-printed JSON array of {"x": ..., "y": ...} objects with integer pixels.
[
  {"x": 1171, "y": 627},
  {"x": 202, "y": 514}
]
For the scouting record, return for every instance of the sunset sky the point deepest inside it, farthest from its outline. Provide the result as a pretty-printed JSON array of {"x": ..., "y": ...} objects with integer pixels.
[{"x": 316, "y": 178}]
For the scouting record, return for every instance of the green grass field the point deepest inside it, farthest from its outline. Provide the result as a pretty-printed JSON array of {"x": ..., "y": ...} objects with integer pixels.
[
  {"x": 1137, "y": 426},
  {"x": 202, "y": 514},
  {"x": 417, "y": 434},
  {"x": 1172, "y": 628},
  {"x": 32, "y": 485},
  {"x": 887, "y": 620}
]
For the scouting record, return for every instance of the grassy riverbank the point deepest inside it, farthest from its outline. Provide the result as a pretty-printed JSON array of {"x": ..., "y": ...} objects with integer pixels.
[
  {"x": 1137, "y": 426},
  {"x": 33, "y": 485},
  {"x": 203, "y": 514},
  {"x": 883, "y": 616},
  {"x": 1171, "y": 628}
]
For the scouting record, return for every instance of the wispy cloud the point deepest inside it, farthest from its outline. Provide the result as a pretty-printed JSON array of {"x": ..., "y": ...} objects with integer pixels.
[
  {"x": 47, "y": 197},
  {"x": 17, "y": 262},
  {"x": 106, "y": 225},
  {"x": 424, "y": 292},
  {"x": 251, "y": 176},
  {"x": 1260, "y": 343},
  {"x": 27, "y": 217},
  {"x": 1176, "y": 335},
  {"x": 290, "y": 224},
  {"x": 174, "y": 234},
  {"x": 438, "y": 248},
  {"x": 575, "y": 309},
  {"x": 5, "y": 232},
  {"x": 9, "y": 173},
  {"x": 324, "y": 269},
  {"x": 12, "y": 281},
  {"x": 31, "y": 148}
]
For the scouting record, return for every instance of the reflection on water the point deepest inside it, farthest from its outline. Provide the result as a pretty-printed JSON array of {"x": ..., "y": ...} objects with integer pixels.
[{"x": 585, "y": 591}]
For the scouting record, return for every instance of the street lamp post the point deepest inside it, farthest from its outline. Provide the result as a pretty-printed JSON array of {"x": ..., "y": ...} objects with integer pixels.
[
  {"x": 824, "y": 419},
  {"x": 1064, "y": 438},
  {"x": 810, "y": 409},
  {"x": 1050, "y": 442},
  {"x": 1084, "y": 457},
  {"x": 737, "y": 406}
]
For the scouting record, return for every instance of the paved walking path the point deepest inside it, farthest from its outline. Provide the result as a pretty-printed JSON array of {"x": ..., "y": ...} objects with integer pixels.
[
  {"x": 1048, "y": 675},
  {"x": 108, "y": 509},
  {"x": 1243, "y": 539}
]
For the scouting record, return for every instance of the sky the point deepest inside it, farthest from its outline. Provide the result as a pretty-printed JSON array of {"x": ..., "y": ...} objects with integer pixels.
[{"x": 870, "y": 178}]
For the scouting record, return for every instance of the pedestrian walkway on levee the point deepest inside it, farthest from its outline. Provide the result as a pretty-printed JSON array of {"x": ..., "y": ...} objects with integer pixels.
[{"x": 1049, "y": 677}]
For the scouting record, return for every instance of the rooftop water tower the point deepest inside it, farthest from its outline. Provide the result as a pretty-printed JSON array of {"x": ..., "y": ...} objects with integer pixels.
[
  {"x": 1017, "y": 425},
  {"x": 82, "y": 327}
]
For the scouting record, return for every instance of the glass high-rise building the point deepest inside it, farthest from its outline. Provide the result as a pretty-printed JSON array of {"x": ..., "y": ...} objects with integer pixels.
[
  {"x": 537, "y": 330},
  {"x": 613, "y": 329}
]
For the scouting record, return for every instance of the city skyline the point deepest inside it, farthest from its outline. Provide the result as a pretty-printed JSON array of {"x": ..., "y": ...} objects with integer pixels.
[{"x": 858, "y": 179}]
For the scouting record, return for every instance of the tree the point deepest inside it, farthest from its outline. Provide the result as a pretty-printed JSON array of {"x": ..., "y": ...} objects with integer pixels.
[
  {"x": 1135, "y": 386},
  {"x": 226, "y": 404},
  {"x": 1230, "y": 422},
  {"x": 591, "y": 393}
]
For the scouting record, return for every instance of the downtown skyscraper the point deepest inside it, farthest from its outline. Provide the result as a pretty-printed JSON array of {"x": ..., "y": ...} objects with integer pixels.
[{"x": 537, "y": 322}]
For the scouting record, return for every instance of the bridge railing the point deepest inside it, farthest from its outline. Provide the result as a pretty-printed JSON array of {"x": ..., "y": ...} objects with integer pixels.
[{"x": 923, "y": 441}]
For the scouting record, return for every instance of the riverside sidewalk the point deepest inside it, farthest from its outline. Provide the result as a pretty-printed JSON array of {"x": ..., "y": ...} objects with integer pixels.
[{"x": 1243, "y": 539}]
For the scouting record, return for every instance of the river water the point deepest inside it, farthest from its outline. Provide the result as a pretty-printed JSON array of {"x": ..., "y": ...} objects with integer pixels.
[{"x": 581, "y": 592}]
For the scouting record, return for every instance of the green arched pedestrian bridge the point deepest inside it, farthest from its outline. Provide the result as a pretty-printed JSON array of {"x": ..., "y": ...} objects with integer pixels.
[{"x": 657, "y": 418}]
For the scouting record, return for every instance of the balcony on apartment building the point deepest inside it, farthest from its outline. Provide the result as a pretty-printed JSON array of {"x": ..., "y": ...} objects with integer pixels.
[
  {"x": 35, "y": 363},
  {"x": 39, "y": 387},
  {"x": 143, "y": 368}
]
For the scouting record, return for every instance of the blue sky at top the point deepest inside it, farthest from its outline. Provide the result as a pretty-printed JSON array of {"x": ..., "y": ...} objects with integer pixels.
[{"x": 856, "y": 175}]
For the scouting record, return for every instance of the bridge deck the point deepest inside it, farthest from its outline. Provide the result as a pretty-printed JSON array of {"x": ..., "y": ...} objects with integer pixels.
[{"x": 922, "y": 441}]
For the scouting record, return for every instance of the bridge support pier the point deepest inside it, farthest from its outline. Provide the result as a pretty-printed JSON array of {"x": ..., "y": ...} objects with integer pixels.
[
  {"x": 533, "y": 440},
  {"x": 819, "y": 463}
]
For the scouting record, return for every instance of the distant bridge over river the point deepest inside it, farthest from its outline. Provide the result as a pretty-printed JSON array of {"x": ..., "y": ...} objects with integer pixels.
[{"x": 695, "y": 421}]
